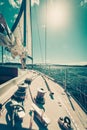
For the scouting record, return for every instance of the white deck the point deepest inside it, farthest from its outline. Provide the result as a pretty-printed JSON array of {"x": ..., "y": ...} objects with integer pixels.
[{"x": 58, "y": 105}]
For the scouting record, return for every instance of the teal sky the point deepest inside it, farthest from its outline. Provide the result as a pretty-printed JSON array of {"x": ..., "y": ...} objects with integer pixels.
[
  {"x": 64, "y": 46},
  {"x": 66, "y": 39}
]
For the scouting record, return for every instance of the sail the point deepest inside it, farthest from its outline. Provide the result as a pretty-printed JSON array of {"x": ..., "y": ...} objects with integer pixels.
[
  {"x": 6, "y": 38},
  {"x": 3, "y": 26},
  {"x": 22, "y": 29}
]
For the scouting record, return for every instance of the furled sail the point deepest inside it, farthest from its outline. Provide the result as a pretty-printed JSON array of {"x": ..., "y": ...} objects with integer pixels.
[{"x": 18, "y": 40}]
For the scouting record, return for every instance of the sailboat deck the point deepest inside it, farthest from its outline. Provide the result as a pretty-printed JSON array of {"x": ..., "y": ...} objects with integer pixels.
[{"x": 57, "y": 104}]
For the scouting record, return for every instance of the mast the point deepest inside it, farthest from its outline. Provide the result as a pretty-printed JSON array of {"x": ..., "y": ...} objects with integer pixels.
[
  {"x": 24, "y": 30},
  {"x": 31, "y": 33},
  {"x": 28, "y": 27},
  {"x": 24, "y": 23}
]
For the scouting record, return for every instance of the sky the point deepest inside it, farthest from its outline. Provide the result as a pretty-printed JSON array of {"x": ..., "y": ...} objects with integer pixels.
[
  {"x": 66, "y": 32},
  {"x": 59, "y": 29}
]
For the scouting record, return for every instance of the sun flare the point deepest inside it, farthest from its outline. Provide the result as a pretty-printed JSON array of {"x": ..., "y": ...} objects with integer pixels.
[{"x": 58, "y": 15}]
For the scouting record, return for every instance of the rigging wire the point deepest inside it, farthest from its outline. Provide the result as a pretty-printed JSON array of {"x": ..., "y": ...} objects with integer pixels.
[
  {"x": 46, "y": 34},
  {"x": 81, "y": 96},
  {"x": 38, "y": 35}
]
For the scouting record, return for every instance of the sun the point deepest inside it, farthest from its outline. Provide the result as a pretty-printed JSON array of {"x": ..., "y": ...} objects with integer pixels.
[{"x": 58, "y": 15}]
